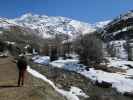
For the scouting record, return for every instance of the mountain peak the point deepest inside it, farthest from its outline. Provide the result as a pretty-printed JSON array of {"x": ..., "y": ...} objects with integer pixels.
[{"x": 50, "y": 25}]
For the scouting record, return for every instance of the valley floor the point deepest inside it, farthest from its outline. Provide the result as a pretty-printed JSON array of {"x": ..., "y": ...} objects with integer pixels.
[
  {"x": 65, "y": 79},
  {"x": 110, "y": 82},
  {"x": 36, "y": 88}
]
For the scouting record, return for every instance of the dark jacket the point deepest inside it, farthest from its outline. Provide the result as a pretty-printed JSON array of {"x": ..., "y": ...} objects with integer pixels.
[{"x": 22, "y": 63}]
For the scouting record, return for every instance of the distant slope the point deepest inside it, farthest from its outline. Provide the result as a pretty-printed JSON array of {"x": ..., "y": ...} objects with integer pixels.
[
  {"x": 119, "y": 28},
  {"x": 49, "y": 25}
]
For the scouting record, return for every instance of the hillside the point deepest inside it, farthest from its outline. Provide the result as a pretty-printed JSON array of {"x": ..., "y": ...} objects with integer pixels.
[
  {"x": 118, "y": 36},
  {"x": 120, "y": 28},
  {"x": 48, "y": 26}
]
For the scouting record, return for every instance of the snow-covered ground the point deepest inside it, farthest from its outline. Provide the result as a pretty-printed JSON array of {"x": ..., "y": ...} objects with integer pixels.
[
  {"x": 41, "y": 59},
  {"x": 121, "y": 81},
  {"x": 70, "y": 95},
  {"x": 118, "y": 80},
  {"x": 62, "y": 63},
  {"x": 118, "y": 48},
  {"x": 123, "y": 64}
]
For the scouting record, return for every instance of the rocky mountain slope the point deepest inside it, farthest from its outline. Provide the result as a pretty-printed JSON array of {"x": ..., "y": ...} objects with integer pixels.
[
  {"x": 119, "y": 28},
  {"x": 118, "y": 35},
  {"x": 48, "y": 26}
]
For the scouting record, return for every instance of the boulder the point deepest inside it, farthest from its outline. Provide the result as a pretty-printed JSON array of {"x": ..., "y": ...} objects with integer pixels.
[
  {"x": 103, "y": 84},
  {"x": 130, "y": 94}
]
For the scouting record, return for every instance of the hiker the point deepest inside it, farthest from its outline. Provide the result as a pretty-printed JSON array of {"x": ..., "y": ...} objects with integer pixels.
[{"x": 22, "y": 66}]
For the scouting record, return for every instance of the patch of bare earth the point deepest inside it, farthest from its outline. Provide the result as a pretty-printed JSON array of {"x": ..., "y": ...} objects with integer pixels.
[{"x": 33, "y": 89}]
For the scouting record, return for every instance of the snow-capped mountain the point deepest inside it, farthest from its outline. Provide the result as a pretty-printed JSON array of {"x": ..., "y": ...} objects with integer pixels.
[
  {"x": 6, "y": 23},
  {"x": 101, "y": 24},
  {"x": 49, "y": 26}
]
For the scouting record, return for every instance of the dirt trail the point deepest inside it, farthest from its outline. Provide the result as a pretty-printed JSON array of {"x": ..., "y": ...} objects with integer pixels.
[{"x": 33, "y": 89}]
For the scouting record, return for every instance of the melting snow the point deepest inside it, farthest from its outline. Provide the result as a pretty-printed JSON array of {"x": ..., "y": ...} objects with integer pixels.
[
  {"x": 1, "y": 32},
  {"x": 120, "y": 81},
  {"x": 70, "y": 95},
  {"x": 120, "y": 63},
  {"x": 41, "y": 59}
]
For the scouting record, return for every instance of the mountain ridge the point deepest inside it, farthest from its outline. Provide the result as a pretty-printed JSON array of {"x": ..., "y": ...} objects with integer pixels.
[{"x": 48, "y": 26}]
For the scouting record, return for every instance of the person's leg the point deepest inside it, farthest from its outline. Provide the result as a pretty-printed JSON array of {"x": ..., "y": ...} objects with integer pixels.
[
  {"x": 23, "y": 76},
  {"x": 20, "y": 78}
]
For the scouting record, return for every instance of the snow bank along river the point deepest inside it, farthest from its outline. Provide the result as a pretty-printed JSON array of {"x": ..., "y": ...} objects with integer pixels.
[
  {"x": 120, "y": 81},
  {"x": 70, "y": 95}
]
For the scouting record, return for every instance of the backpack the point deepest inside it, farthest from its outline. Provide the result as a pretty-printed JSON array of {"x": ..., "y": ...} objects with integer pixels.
[{"x": 22, "y": 63}]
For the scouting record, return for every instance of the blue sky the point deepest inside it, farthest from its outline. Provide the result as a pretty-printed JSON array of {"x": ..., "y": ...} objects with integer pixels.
[{"x": 84, "y": 10}]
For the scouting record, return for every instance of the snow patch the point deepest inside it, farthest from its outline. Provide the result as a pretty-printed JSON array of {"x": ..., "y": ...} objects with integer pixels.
[
  {"x": 62, "y": 63},
  {"x": 41, "y": 59},
  {"x": 1, "y": 32},
  {"x": 120, "y": 81},
  {"x": 102, "y": 23},
  {"x": 119, "y": 63},
  {"x": 70, "y": 95},
  {"x": 118, "y": 48}
]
